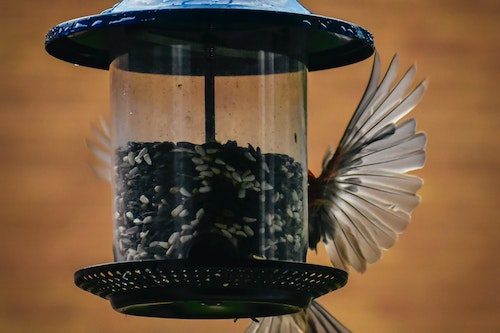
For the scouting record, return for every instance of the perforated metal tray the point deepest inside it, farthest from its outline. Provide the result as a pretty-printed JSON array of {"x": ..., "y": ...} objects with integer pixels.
[{"x": 182, "y": 289}]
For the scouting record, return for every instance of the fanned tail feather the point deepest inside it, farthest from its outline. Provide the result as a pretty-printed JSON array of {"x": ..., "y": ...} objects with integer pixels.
[{"x": 314, "y": 319}]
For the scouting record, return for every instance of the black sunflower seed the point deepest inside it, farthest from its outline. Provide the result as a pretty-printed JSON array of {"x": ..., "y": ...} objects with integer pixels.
[{"x": 181, "y": 193}]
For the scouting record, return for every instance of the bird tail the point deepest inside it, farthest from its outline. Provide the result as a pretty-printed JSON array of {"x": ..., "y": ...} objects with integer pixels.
[{"x": 314, "y": 319}]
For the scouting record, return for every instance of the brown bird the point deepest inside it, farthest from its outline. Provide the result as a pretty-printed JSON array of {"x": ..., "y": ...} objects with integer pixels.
[{"x": 363, "y": 197}]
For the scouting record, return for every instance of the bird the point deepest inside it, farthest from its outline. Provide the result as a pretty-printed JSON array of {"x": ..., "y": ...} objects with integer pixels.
[{"x": 364, "y": 196}]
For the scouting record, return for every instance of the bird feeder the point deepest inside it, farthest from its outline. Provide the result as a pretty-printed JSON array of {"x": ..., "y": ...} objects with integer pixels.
[{"x": 208, "y": 105}]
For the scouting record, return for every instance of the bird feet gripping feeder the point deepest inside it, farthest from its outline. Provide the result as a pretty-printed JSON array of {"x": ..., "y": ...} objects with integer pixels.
[{"x": 208, "y": 102}]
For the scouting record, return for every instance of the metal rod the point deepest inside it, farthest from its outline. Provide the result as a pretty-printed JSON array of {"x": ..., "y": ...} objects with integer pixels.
[{"x": 209, "y": 97}]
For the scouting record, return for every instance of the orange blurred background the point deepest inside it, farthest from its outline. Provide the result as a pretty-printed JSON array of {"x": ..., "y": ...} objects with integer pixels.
[{"x": 443, "y": 274}]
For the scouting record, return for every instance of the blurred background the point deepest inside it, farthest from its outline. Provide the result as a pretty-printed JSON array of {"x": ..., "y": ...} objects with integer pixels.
[{"x": 443, "y": 274}]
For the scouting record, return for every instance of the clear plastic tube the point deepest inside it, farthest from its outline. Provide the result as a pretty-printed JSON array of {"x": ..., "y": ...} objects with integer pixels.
[{"x": 210, "y": 154}]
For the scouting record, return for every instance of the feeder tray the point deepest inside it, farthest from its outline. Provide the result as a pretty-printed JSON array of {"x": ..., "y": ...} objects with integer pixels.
[{"x": 182, "y": 289}]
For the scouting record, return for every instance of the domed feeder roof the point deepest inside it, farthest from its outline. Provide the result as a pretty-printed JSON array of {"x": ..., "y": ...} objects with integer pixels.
[{"x": 281, "y": 26}]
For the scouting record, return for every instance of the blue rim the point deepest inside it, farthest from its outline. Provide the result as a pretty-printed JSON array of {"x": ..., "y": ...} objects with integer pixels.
[{"x": 319, "y": 42}]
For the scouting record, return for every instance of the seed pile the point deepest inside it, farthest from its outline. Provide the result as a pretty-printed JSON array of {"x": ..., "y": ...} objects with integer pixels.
[{"x": 168, "y": 195}]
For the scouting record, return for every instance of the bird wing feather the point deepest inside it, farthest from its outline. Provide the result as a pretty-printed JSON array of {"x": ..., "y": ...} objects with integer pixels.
[
  {"x": 365, "y": 197},
  {"x": 100, "y": 146}
]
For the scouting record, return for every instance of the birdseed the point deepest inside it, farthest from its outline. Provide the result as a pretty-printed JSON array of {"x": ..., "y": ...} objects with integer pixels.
[{"x": 184, "y": 192}]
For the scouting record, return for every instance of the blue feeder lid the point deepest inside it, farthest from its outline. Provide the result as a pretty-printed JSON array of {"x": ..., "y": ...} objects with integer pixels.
[{"x": 281, "y": 26}]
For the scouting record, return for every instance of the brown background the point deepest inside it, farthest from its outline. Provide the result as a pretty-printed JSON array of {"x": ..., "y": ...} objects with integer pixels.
[{"x": 441, "y": 277}]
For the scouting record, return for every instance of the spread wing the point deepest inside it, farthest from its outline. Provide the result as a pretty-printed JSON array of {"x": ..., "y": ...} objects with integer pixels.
[
  {"x": 363, "y": 197},
  {"x": 100, "y": 147},
  {"x": 315, "y": 319}
]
